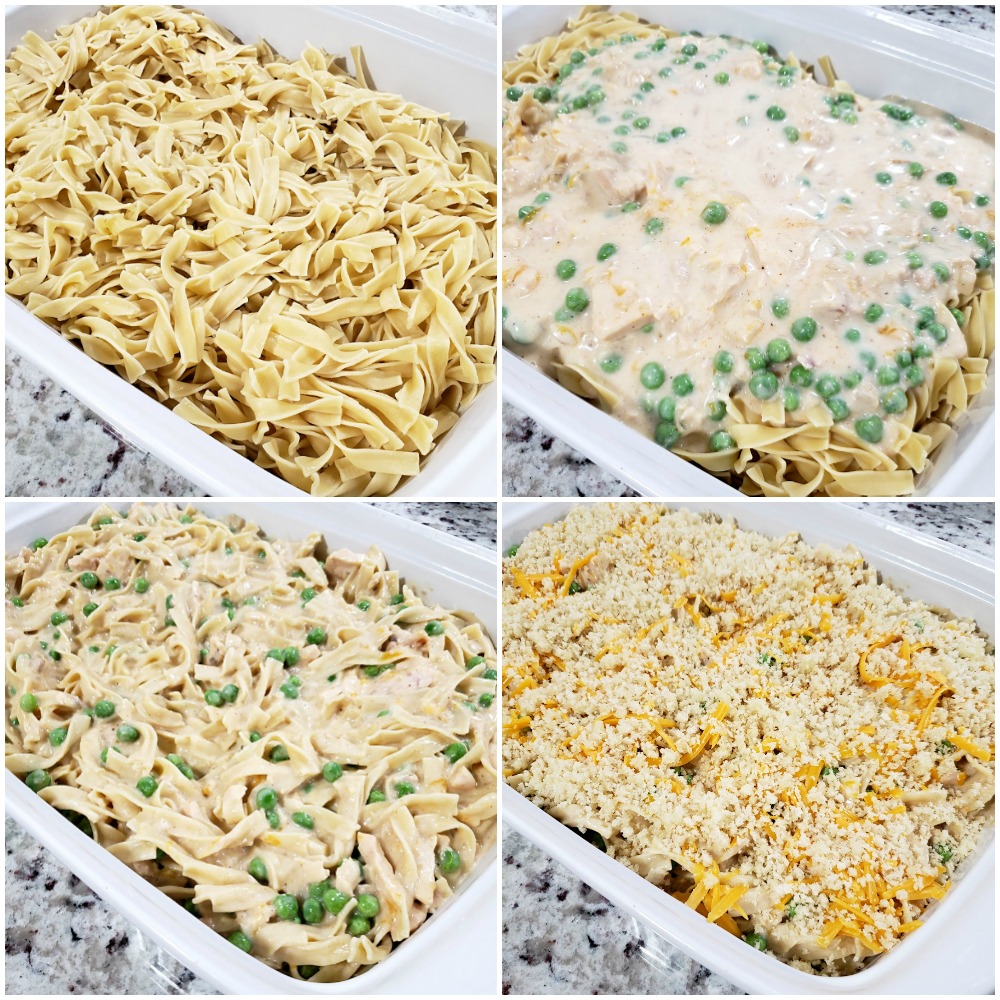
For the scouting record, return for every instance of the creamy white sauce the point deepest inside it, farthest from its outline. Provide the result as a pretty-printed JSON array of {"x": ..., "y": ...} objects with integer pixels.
[{"x": 808, "y": 190}]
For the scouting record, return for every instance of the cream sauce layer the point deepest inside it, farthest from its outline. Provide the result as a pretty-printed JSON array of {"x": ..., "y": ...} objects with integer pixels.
[{"x": 689, "y": 220}]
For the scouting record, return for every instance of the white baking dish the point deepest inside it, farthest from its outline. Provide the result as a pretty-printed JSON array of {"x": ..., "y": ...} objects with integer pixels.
[
  {"x": 877, "y": 52},
  {"x": 455, "y": 951},
  {"x": 400, "y": 45},
  {"x": 953, "y": 953}
]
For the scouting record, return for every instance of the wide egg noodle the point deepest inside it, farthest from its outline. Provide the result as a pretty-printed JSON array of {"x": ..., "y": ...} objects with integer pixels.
[
  {"x": 221, "y": 596},
  {"x": 298, "y": 264}
]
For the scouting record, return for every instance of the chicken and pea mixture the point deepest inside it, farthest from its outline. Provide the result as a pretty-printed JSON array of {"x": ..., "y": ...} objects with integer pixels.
[{"x": 691, "y": 222}]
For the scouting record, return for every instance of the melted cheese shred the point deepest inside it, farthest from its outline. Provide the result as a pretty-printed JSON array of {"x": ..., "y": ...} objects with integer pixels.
[
  {"x": 168, "y": 673},
  {"x": 756, "y": 725},
  {"x": 296, "y": 263}
]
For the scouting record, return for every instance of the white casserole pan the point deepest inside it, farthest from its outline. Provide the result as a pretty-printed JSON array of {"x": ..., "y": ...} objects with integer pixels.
[
  {"x": 953, "y": 952},
  {"x": 878, "y": 53},
  {"x": 455, "y": 951},
  {"x": 441, "y": 60}
]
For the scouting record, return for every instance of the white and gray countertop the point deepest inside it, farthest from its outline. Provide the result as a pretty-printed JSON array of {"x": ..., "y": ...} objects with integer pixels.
[
  {"x": 560, "y": 936},
  {"x": 57, "y": 447},
  {"x": 538, "y": 464},
  {"x": 62, "y": 938}
]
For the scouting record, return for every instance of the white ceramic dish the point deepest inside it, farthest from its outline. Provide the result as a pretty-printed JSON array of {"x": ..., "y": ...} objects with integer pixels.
[
  {"x": 455, "y": 951},
  {"x": 953, "y": 953},
  {"x": 400, "y": 45},
  {"x": 879, "y": 53}
]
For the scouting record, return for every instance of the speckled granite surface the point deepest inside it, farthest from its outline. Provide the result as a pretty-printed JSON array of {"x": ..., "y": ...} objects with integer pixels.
[
  {"x": 56, "y": 446},
  {"x": 62, "y": 938},
  {"x": 559, "y": 936},
  {"x": 537, "y": 464}
]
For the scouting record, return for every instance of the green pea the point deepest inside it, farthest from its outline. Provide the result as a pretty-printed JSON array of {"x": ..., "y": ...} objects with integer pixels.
[
  {"x": 869, "y": 428},
  {"x": 29, "y": 703},
  {"x": 778, "y": 350},
  {"x": 147, "y": 785},
  {"x": 852, "y": 335},
  {"x": 714, "y": 213},
  {"x": 230, "y": 693},
  {"x": 894, "y": 401},
  {"x": 58, "y": 617},
  {"x": 58, "y": 736},
  {"x": 104, "y": 709},
  {"x": 666, "y": 434},
  {"x": 181, "y": 766},
  {"x": 17, "y": 602},
  {"x": 904, "y": 359},
  {"x": 887, "y": 375},
  {"x": 334, "y": 900},
  {"x": 652, "y": 375},
  {"x": 363, "y": 605},
  {"x": 883, "y": 178},
  {"x": 947, "y": 178},
  {"x": 489, "y": 674},
  {"x": 254, "y": 736},
  {"x": 667, "y": 408},
  {"x": 757, "y": 941},
  {"x": 367, "y": 905},
  {"x": 653, "y": 226},
  {"x": 434, "y": 628},
  {"x": 286, "y": 906},
  {"x": 358, "y": 925},
  {"x": 776, "y": 114},
  {"x": 267, "y": 798},
  {"x": 577, "y": 300},
  {"x": 723, "y": 362},
  {"x": 941, "y": 271},
  {"x": 475, "y": 661},
  {"x": 921, "y": 350},
  {"x": 611, "y": 363},
  {"x": 376, "y": 795},
  {"x": 112, "y": 583},
  {"x": 828, "y": 386},
  {"x": 804, "y": 329},
  {"x": 914, "y": 374},
  {"x": 779, "y": 307},
  {"x": 449, "y": 861},
  {"x": 873, "y": 312},
  {"x": 916, "y": 170},
  {"x": 792, "y": 133},
  {"x": 90, "y": 581},
  {"x": 958, "y": 315},
  {"x": 791, "y": 399},
  {"x": 839, "y": 410},
  {"x": 38, "y": 779},
  {"x": 938, "y": 209},
  {"x": 800, "y": 376},
  {"x": 682, "y": 385},
  {"x": 525, "y": 212},
  {"x": 565, "y": 270},
  {"x": 316, "y": 637},
  {"x": 721, "y": 78},
  {"x": 641, "y": 122},
  {"x": 756, "y": 359},
  {"x": 663, "y": 137},
  {"x": 126, "y": 733},
  {"x": 38, "y": 543},
  {"x": 868, "y": 360},
  {"x": 875, "y": 257},
  {"x": 721, "y": 441},
  {"x": 303, "y": 819},
  {"x": 141, "y": 585},
  {"x": 455, "y": 751},
  {"x": 312, "y": 911},
  {"x": 273, "y": 819},
  {"x": 278, "y": 754},
  {"x": 258, "y": 870},
  {"x": 213, "y": 697},
  {"x": 486, "y": 699},
  {"x": 716, "y": 410},
  {"x": 763, "y": 384}
]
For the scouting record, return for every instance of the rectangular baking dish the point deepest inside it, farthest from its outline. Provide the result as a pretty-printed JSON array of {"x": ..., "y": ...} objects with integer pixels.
[
  {"x": 443, "y": 568},
  {"x": 401, "y": 44},
  {"x": 953, "y": 953},
  {"x": 879, "y": 53}
]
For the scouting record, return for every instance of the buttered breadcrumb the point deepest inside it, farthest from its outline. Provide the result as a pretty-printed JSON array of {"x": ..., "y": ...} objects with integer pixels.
[{"x": 757, "y": 725}]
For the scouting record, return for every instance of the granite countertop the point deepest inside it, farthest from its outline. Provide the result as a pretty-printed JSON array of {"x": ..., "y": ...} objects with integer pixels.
[
  {"x": 559, "y": 936},
  {"x": 63, "y": 938},
  {"x": 536, "y": 463},
  {"x": 56, "y": 446}
]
